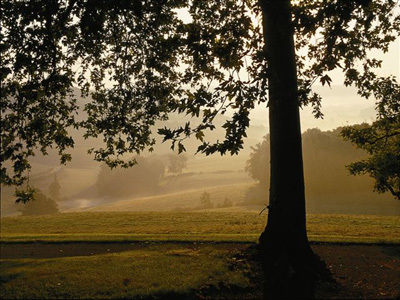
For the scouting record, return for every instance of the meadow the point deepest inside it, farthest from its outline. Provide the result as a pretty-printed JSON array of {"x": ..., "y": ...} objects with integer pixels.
[
  {"x": 190, "y": 226},
  {"x": 140, "y": 255}
]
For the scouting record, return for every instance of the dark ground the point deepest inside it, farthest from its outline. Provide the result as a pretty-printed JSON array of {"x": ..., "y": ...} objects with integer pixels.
[{"x": 359, "y": 271}]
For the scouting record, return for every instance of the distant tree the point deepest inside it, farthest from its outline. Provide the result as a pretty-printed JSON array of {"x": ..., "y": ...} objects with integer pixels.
[
  {"x": 325, "y": 156},
  {"x": 258, "y": 165},
  {"x": 227, "y": 203},
  {"x": 381, "y": 140},
  {"x": 40, "y": 205},
  {"x": 205, "y": 200},
  {"x": 54, "y": 189},
  {"x": 177, "y": 162}
]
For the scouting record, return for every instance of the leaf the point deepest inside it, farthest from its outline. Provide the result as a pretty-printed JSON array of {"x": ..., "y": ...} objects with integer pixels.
[
  {"x": 25, "y": 195},
  {"x": 200, "y": 135},
  {"x": 326, "y": 80},
  {"x": 181, "y": 148}
]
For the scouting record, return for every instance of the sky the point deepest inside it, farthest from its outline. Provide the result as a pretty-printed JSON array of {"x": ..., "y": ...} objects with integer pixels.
[{"x": 341, "y": 105}]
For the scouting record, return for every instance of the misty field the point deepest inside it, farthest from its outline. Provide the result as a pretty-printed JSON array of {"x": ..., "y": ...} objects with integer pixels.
[{"x": 175, "y": 255}]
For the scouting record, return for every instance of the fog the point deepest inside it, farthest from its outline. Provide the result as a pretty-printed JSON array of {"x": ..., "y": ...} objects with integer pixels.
[{"x": 156, "y": 185}]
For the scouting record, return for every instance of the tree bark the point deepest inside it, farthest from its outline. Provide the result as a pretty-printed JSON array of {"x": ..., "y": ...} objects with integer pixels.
[{"x": 288, "y": 258}]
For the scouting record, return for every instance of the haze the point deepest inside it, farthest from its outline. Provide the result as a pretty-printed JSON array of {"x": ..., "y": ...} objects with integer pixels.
[{"x": 224, "y": 179}]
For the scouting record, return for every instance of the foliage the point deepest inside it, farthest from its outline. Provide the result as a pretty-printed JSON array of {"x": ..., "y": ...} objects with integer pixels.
[
  {"x": 143, "y": 178},
  {"x": 383, "y": 144},
  {"x": 205, "y": 200},
  {"x": 381, "y": 140},
  {"x": 340, "y": 35},
  {"x": 227, "y": 203},
  {"x": 177, "y": 163},
  {"x": 325, "y": 156},
  {"x": 140, "y": 61},
  {"x": 23, "y": 196},
  {"x": 40, "y": 205},
  {"x": 257, "y": 166}
]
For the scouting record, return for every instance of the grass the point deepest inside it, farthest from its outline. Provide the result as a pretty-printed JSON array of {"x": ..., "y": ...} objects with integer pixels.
[
  {"x": 190, "y": 226},
  {"x": 156, "y": 271},
  {"x": 186, "y": 199}
]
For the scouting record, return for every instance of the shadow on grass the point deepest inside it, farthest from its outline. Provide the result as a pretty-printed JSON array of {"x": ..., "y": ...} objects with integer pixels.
[
  {"x": 392, "y": 251},
  {"x": 7, "y": 272},
  {"x": 5, "y": 278},
  {"x": 247, "y": 262},
  {"x": 219, "y": 291}
]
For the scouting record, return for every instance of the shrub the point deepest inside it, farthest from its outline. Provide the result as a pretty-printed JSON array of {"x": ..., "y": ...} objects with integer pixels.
[
  {"x": 205, "y": 200},
  {"x": 40, "y": 205}
]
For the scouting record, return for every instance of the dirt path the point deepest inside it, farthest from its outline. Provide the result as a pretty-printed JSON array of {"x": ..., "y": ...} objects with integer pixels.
[
  {"x": 360, "y": 271},
  {"x": 363, "y": 271},
  {"x": 52, "y": 250}
]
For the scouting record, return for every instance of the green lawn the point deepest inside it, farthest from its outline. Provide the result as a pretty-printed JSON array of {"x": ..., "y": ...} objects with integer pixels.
[
  {"x": 190, "y": 226},
  {"x": 158, "y": 270}
]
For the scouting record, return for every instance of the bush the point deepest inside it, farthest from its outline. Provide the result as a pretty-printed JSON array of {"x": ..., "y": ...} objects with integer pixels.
[
  {"x": 205, "y": 200},
  {"x": 40, "y": 205},
  {"x": 227, "y": 203}
]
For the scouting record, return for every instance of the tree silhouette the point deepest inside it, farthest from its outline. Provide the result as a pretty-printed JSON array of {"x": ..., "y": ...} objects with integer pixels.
[
  {"x": 40, "y": 205},
  {"x": 205, "y": 200},
  {"x": 325, "y": 156},
  {"x": 177, "y": 163},
  {"x": 140, "y": 61},
  {"x": 381, "y": 140}
]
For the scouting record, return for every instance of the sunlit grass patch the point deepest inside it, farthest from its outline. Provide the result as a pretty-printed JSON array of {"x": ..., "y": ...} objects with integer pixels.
[
  {"x": 164, "y": 269},
  {"x": 190, "y": 226},
  {"x": 354, "y": 228}
]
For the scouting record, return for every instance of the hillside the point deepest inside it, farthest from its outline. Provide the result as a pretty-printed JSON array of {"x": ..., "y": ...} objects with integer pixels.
[{"x": 224, "y": 176}]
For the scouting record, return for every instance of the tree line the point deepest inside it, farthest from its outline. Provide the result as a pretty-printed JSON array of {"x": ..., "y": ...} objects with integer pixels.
[{"x": 325, "y": 155}]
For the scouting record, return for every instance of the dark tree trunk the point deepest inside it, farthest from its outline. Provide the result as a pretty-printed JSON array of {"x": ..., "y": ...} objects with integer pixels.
[{"x": 289, "y": 260}]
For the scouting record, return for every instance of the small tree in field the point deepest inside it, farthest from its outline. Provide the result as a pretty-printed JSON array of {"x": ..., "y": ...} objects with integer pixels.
[
  {"x": 227, "y": 203},
  {"x": 205, "y": 200},
  {"x": 177, "y": 163},
  {"x": 40, "y": 205}
]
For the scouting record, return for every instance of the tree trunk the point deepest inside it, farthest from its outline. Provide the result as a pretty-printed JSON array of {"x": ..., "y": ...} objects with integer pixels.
[{"x": 289, "y": 260}]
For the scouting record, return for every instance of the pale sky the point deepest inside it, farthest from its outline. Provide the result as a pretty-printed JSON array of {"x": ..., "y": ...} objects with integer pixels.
[{"x": 340, "y": 105}]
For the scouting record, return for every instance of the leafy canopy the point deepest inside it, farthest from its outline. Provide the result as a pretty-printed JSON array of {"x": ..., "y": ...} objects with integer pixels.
[
  {"x": 141, "y": 61},
  {"x": 41, "y": 205},
  {"x": 381, "y": 140}
]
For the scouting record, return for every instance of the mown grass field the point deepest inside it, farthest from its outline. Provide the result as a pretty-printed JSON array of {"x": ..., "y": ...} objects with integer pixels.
[
  {"x": 190, "y": 226},
  {"x": 163, "y": 270},
  {"x": 200, "y": 265}
]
